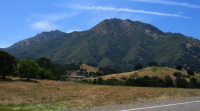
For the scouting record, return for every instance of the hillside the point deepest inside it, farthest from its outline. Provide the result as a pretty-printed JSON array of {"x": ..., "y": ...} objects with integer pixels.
[
  {"x": 39, "y": 38},
  {"x": 117, "y": 43},
  {"x": 161, "y": 72}
]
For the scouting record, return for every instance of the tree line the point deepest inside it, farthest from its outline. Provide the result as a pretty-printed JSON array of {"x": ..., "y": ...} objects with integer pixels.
[
  {"x": 146, "y": 81},
  {"x": 42, "y": 68}
]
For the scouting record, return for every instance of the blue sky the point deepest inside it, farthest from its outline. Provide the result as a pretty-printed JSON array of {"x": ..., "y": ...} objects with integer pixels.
[{"x": 22, "y": 19}]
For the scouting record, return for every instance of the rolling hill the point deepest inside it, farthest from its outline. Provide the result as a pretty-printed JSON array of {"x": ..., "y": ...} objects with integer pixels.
[
  {"x": 161, "y": 72},
  {"x": 115, "y": 43}
]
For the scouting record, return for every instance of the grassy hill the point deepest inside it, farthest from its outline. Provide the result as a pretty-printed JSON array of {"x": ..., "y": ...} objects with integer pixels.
[
  {"x": 161, "y": 72},
  {"x": 89, "y": 68},
  {"x": 49, "y": 95}
]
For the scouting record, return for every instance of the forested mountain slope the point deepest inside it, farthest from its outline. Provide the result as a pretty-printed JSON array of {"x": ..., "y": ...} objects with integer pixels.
[{"x": 116, "y": 43}]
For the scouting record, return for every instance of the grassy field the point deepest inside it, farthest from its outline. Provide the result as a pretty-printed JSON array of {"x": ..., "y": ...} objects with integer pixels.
[{"x": 39, "y": 95}]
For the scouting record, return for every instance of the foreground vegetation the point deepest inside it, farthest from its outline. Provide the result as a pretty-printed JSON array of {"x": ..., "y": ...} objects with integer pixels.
[{"x": 20, "y": 95}]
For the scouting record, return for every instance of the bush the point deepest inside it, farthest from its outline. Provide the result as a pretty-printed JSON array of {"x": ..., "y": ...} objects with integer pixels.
[
  {"x": 177, "y": 74},
  {"x": 168, "y": 81},
  {"x": 138, "y": 66},
  {"x": 181, "y": 82},
  {"x": 190, "y": 72},
  {"x": 179, "y": 67}
]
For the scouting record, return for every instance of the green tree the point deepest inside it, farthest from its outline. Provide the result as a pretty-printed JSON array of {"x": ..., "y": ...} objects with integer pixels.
[
  {"x": 190, "y": 72},
  {"x": 28, "y": 69},
  {"x": 179, "y": 67},
  {"x": 46, "y": 74},
  {"x": 176, "y": 74},
  {"x": 181, "y": 82},
  {"x": 138, "y": 66},
  {"x": 193, "y": 83},
  {"x": 45, "y": 63},
  {"x": 151, "y": 64},
  {"x": 72, "y": 67},
  {"x": 112, "y": 81},
  {"x": 95, "y": 81},
  {"x": 7, "y": 64},
  {"x": 100, "y": 81},
  {"x": 168, "y": 81}
]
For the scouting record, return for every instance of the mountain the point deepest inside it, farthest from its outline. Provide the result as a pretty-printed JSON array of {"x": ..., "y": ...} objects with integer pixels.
[
  {"x": 115, "y": 42},
  {"x": 44, "y": 36}
]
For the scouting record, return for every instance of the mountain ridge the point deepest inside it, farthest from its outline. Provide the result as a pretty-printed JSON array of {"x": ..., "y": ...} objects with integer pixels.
[
  {"x": 117, "y": 43},
  {"x": 43, "y": 36}
]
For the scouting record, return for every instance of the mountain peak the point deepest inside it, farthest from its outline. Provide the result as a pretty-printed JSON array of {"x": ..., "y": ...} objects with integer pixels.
[
  {"x": 109, "y": 25},
  {"x": 43, "y": 36}
]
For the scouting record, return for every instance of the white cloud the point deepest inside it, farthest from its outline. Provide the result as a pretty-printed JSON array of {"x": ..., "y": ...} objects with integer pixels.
[
  {"x": 127, "y": 10},
  {"x": 70, "y": 31},
  {"x": 169, "y": 3},
  {"x": 47, "y": 21},
  {"x": 52, "y": 17},
  {"x": 44, "y": 25}
]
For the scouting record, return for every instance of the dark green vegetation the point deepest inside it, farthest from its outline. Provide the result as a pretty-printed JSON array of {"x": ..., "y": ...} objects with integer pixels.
[
  {"x": 114, "y": 43},
  {"x": 7, "y": 63},
  {"x": 43, "y": 68}
]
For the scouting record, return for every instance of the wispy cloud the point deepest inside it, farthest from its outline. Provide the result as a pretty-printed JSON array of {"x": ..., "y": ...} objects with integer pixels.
[
  {"x": 69, "y": 31},
  {"x": 127, "y": 10},
  {"x": 4, "y": 44},
  {"x": 47, "y": 21},
  {"x": 44, "y": 25},
  {"x": 52, "y": 17},
  {"x": 169, "y": 3}
]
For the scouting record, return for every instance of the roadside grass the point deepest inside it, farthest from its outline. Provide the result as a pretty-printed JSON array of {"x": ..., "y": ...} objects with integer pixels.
[
  {"x": 58, "y": 95},
  {"x": 31, "y": 107}
]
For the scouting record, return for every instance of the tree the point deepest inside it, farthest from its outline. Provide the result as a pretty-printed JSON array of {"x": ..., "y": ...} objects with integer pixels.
[
  {"x": 138, "y": 66},
  {"x": 47, "y": 68},
  {"x": 151, "y": 64},
  {"x": 168, "y": 81},
  {"x": 176, "y": 74},
  {"x": 181, "y": 82},
  {"x": 100, "y": 81},
  {"x": 7, "y": 64},
  {"x": 193, "y": 83},
  {"x": 190, "y": 72},
  {"x": 179, "y": 67},
  {"x": 46, "y": 74},
  {"x": 112, "y": 81},
  {"x": 95, "y": 81},
  {"x": 45, "y": 63},
  {"x": 28, "y": 69},
  {"x": 72, "y": 67}
]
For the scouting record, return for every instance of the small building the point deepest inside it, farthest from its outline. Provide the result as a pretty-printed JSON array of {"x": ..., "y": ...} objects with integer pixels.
[{"x": 76, "y": 77}]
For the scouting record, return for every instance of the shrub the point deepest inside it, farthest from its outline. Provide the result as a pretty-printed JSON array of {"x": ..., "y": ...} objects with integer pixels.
[
  {"x": 177, "y": 74},
  {"x": 179, "y": 67},
  {"x": 190, "y": 72}
]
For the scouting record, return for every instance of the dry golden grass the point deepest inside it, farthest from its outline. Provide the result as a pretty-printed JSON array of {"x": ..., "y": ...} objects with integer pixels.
[
  {"x": 161, "y": 72},
  {"x": 89, "y": 68},
  {"x": 82, "y": 95},
  {"x": 84, "y": 66}
]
